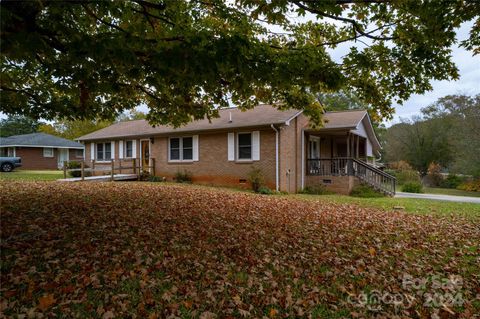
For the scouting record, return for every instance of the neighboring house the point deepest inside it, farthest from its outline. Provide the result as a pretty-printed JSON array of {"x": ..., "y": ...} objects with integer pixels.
[
  {"x": 290, "y": 154},
  {"x": 40, "y": 150}
]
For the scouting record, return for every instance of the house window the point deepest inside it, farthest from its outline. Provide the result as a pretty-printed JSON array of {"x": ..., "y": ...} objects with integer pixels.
[
  {"x": 7, "y": 151},
  {"x": 244, "y": 146},
  {"x": 104, "y": 151},
  {"x": 47, "y": 152},
  {"x": 181, "y": 149},
  {"x": 79, "y": 153},
  {"x": 129, "y": 149}
]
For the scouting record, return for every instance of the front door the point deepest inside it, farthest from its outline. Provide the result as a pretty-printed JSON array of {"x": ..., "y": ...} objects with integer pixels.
[
  {"x": 62, "y": 156},
  {"x": 145, "y": 154}
]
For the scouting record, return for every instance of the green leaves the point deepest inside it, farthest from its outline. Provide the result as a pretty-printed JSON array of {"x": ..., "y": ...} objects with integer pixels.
[{"x": 184, "y": 59}]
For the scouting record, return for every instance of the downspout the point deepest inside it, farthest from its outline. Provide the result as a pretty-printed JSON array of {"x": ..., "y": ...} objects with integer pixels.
[
  {"x": 303, "y": 159},
  {"x": 276, "y": 156}
]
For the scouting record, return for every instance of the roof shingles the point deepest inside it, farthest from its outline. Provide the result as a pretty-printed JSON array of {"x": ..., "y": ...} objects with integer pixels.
[
  {"x": 38, "y": 140},
  {"x": 259, "y": 116}
]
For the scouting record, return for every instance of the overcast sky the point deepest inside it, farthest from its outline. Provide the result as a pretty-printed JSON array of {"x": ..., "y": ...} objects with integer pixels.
[{"x": 468, "y": 83}]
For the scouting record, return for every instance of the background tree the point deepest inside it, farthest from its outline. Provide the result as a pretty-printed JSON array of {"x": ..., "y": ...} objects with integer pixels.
[
  {"x": 460, "y": 115},
  {"x": 446, "y": 133},
  {"x": 73, "y": 129},
  {"x": 419, "y": 143},
  {"x": 16, "y": 125},
  {"x": 95, "y": 59},
  {"x": 131, "y": 116}
]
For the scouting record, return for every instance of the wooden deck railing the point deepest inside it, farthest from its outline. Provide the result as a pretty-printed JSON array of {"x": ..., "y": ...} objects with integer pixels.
[
  {"x": 133, "y": 164},
  {"x": 347, "y": 166}
]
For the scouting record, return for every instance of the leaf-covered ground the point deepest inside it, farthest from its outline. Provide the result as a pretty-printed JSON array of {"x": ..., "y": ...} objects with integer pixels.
[{"x": 152, "y": 250}]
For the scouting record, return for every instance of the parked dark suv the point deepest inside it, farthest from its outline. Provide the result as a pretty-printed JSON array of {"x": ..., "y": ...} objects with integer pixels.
[{"x": 7, "y": 164}]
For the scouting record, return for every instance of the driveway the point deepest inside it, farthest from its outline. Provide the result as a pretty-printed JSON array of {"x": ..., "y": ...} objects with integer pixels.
[{"x": 451, "y": 198}]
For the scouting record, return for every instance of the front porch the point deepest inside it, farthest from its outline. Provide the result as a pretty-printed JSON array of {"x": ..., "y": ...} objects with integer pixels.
[{"x": 339, "y": 160}]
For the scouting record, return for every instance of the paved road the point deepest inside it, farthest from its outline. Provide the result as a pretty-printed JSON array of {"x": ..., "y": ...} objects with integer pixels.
[{"x": 451, "y": 198}]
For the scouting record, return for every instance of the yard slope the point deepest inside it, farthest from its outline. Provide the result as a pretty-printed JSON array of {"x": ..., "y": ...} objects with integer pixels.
[{"x": 151, "y": 250}]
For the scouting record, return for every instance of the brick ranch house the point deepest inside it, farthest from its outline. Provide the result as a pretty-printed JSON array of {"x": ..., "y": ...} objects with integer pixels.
[
  {"x": 40, "y": 150},
  {"x": 289, "y": 153}
]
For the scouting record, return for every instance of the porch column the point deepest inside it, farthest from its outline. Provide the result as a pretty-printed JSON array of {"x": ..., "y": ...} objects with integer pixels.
[
  {"x": 358, "y": 146},
  {"x": 348, "y": 145}
]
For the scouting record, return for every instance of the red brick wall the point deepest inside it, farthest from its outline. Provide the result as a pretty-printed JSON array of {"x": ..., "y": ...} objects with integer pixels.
[
  {"x": 32, "y": 158},
  {"x": 213, "y": 166}
]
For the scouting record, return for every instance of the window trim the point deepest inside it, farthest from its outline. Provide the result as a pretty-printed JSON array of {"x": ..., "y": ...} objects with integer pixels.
[
  {"x": 46, "y": 155},
  {"x": 237, "y": 148},
  {"x": 103, "y": 160},
  {"x": 180, "y": 149},
  {"x": 9, "y": 151},
  {"x": 125, "y": 149}
]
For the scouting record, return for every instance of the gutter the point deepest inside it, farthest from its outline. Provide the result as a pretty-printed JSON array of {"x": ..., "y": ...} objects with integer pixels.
[{"x": 276, "y": 156}]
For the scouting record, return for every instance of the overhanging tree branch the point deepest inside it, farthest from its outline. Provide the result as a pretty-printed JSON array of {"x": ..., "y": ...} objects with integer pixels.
[{"x": 356, "y": 26}]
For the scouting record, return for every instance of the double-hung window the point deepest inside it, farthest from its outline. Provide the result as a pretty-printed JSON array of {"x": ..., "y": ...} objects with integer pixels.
[
  {"x": 104, "y": 151},
  {"x": 129, "y": 149},
  {"x": 181, "y": 149},
  {"x": 47, "y": 152},
  {"x": 79, "y": 153},
  {"x": 244, "y": 146}
]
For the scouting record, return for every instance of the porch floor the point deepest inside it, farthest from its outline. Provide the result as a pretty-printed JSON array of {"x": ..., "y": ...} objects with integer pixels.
[{"x": 103, "y": 178}]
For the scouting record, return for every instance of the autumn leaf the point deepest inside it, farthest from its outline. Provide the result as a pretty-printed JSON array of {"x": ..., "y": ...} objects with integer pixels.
[
  {"x": 272, "y": 313},
  {"x": 161, "y": 250},
  {"x": 46, "y": 302}
]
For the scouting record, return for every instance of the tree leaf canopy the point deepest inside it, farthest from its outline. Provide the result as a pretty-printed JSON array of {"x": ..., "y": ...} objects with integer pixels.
[{"x": 184, "y": 59}]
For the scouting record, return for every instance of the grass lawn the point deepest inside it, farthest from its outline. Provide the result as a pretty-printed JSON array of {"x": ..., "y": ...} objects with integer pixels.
[
  {"x": 410, "y": 205},
  {"x": 450, "y": 191},
  {"x": 156, "y": 250},
  {"x": 29, "y": 175}
]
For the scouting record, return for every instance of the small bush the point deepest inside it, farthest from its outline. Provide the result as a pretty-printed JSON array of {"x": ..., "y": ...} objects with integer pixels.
[
  {"x": 77, "y": 165},
  {"x": 183, "y": 177},
  {"x": 316, "y": 190},
  {"x": 400, "y": 166},
  {"x": 407, "y": 176},
  {"x": 472, "y": 186},
  {"x": 412, "y": 187},
  {"x": 156, "y": 179},
  {"x": 365, "y": 191},
  {"x": 256, "y": 179},
  {"x": 452, "y": 181},
  {"x": 265, "y": 190}
]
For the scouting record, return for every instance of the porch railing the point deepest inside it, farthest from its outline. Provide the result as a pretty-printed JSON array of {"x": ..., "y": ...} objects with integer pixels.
[
  {"x": 346, "y": 166},
  {"x": 110, "y": 167}
]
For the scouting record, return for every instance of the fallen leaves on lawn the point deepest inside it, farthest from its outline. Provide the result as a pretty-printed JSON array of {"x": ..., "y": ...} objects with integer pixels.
[{"x": 109, "y": 250}]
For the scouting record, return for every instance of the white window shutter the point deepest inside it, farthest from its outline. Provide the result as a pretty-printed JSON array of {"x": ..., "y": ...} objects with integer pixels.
[
  {"x": 134, "y": 148},
  {"x": 92, "y": 151},
  {"x": 256, "y": 145},
  {"x": 195, "y": 147},
  {"x": 120, "y": 149},
  {"x": 112, "y": 143},
  {"x": 231, "y": 146}
]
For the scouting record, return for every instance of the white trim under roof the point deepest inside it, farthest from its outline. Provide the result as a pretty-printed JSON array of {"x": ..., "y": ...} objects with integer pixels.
[
  {"x": 287, "y": 122},
  {"x": 42, "y": 146}
]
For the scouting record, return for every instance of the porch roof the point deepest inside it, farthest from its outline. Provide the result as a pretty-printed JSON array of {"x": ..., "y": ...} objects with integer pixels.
[{"x": 350, "y": 121}]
